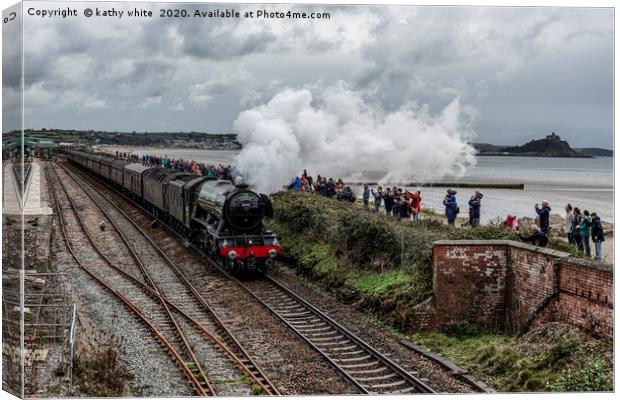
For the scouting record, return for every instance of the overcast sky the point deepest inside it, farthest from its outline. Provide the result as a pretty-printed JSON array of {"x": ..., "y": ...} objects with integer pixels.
[{"x": 521, "y": 72}]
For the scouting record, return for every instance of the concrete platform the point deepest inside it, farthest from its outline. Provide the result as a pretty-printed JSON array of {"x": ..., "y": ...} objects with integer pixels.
[
  {"x": 33, "y": 205},
  {"x": 10, "y": 198}
]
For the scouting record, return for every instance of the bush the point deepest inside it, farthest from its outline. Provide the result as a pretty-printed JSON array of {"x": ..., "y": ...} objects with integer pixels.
[
  {"x": 367, "y": 242},
  {"x": 462, "y": 330},
  {"x": 593, "y": 376}
]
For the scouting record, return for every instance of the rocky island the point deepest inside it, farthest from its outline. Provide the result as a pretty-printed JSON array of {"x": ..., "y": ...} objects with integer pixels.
[{"x": 550, "y": 146}]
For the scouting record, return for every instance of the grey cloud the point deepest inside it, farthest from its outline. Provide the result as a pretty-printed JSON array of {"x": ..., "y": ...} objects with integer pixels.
[{"x": 495, "y": 59}]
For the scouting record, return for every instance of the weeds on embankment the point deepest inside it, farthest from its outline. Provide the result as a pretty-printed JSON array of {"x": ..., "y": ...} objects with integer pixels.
[
  {"x": 99, "y": 374},
  {"x": 553, "y": 357},
  {"x": 382, "y": 264}
]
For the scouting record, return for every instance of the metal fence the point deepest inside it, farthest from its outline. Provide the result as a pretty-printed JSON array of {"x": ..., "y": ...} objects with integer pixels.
[{"x": 49, "y": 317}]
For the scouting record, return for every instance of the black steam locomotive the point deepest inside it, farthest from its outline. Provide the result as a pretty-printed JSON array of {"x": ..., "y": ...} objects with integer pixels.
[{"x": 221, "y": 218}]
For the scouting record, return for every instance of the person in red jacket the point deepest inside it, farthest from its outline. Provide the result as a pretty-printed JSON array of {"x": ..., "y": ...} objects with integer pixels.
[{"x": 415, "y": 204}]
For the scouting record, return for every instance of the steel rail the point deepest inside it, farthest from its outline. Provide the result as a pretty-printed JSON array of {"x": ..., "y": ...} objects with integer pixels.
[
  {"x": 418, "y": 384},
  {"x": 200, "y": 371},
  {"x": 259, "y": 377},
  {"x": 159, "y": 336}
]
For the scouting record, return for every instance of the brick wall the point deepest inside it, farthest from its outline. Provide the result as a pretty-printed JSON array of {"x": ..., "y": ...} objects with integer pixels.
[
  {"x": 501, "y": 283},
  {"x": 473, "y": 280}
]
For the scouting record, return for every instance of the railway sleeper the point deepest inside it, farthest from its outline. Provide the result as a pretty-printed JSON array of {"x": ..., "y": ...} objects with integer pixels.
[
  {"x": 323, "y": 334},
  {"x": 326, "y": 345},
  {"x": 343, "y": 360},
  {"x": 368, "y": 371},
  {"x": 375, "y": 378},
  {"x": 296, "y": 315},
  {"x": 410, "y": 389},
  {"x": 350, "y": 353},
  {"x": 338, "y": 349},
  {"x": 293, "y": 311},
  {"x": 290, "y": 305},
  {"x": 319, "y": 339},
  {"x": 311, "y": 323},
  {"x": 321, "y": 329},
  {"x": 357, "y": 366},
  {"x": 385, "y": 385}
]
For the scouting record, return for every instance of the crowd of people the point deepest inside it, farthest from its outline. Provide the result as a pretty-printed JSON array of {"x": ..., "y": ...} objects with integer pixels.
[
  {"x": 215, "y": 171},
  {"x": 332, "y": 188},
  {"x": 581, "y": 227}
]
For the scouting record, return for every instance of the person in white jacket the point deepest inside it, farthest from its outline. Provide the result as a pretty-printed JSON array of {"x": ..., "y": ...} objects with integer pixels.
[{"x": 568, "y": 223}]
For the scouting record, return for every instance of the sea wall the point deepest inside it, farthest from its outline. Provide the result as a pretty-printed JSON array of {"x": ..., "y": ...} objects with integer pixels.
[{"x": 507, "y": 285}]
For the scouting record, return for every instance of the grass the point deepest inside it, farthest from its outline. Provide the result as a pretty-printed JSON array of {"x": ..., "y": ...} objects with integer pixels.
[
  {"x": 99, "y": 375},
  {"x": 380, "y": 263},
  {"x": 384, "y": 266},
  {"x": 54, "y": 390},
  {"x": 375, "y": 284},
  {"x": 565, "y": 360}
]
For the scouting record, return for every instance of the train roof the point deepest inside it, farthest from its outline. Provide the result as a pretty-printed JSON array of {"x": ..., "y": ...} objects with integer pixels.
[
  {"x": 160, "y": 174},
  {"x": 138, "y": 168},
  {"x": 119, "y": 162},
  {"x": 95, "y": 157},
  {"x": 108, "y": 160}
]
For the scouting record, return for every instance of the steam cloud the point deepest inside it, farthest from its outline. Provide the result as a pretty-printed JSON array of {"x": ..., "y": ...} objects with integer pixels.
[{"x": 336, "y": 133}]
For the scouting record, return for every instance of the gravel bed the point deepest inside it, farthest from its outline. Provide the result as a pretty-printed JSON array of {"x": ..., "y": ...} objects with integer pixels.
[
  {"x": 285, "y": 358},
  {"x": 225, "y": 377},
  {"x": 104, "y": 321}
]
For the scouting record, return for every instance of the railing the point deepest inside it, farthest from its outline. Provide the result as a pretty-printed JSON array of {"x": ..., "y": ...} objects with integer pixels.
[{"x": 49, "y": 316}]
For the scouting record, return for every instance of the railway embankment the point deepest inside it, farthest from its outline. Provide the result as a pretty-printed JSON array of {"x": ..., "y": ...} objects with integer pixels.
[
  {"x": 385, "y": 269},
  {"x": 381, "y": 265}
]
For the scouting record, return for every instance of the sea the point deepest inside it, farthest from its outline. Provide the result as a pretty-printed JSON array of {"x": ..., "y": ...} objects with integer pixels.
[{"x": 586, "y": 183}]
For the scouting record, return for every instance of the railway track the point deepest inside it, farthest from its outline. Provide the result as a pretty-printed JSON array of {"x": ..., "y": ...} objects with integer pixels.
[
  {"x": 190, "y": 320},
  {"x": 366, "y": 368}
]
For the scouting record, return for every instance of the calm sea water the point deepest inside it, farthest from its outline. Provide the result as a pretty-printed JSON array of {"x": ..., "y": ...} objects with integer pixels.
[{"x": 585, "y": 182}]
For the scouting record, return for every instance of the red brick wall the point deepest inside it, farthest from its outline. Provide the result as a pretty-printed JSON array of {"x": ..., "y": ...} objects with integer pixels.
[
  {"x": 499, "y": 284},
  {"x": 469, "y": 284},
  {"x": 531, "y": 280}
]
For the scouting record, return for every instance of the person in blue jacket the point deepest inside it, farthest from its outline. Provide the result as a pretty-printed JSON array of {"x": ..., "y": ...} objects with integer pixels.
[
  {"x": 452, "y": 208},
  {"x": 474, "y": 209},
  {"x": 296, "y": 186},
  {"x": 598, "y": 236},
  {"x": 366, "y": 195},
  {"x": 543, "y": 215}
]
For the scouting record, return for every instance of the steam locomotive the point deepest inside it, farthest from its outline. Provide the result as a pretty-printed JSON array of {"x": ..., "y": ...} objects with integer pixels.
[{"x": 221, "y": 218}]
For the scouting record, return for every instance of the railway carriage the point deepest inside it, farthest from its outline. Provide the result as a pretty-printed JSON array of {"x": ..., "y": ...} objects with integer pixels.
[
  {"x": 155, "y": 185},
  {"x": 116, "y": 171},
  {"x": 220, "y": 217},
  {"x": 132, "y": 178},
  {"x": 93, "y": 163},
  {"x": 104, "y": 166}
]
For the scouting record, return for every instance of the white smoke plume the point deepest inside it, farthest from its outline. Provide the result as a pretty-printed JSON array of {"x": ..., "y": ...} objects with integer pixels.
[{"x": 336, "y": 133}]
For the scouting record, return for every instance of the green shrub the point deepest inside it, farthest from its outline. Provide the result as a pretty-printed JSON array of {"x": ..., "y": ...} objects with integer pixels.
[
  {"x": 593, "y": 376},
  {"x": 462, "y": 330},
  {"x": 367, "y": 241}
]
